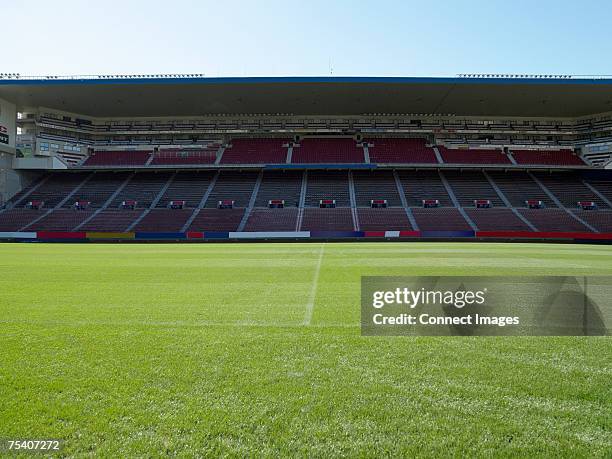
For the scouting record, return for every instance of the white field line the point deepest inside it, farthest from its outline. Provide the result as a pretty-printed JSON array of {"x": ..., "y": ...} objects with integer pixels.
[{"x": 313, "y": 289}]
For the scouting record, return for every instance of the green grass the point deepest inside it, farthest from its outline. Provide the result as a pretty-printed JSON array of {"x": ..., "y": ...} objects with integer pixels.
[{"x": 148, "y": 350}]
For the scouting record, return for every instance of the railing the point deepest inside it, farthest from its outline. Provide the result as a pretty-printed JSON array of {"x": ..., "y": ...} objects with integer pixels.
[
  {"x": 18, "y": 76},
  {"x": 532, "y": 76}
]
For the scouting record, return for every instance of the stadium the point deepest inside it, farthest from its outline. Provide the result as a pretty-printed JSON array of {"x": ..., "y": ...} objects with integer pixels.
[
  {"x": 191, "y": 158},
  {"x": 216, "y": 349}
]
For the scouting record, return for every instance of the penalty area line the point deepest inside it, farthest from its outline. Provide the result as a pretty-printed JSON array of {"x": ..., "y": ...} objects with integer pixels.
[{"x": 313, "y": 289}]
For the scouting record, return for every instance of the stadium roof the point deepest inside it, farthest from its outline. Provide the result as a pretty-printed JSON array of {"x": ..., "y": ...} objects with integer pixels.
[{"x": 160, "y": 96}]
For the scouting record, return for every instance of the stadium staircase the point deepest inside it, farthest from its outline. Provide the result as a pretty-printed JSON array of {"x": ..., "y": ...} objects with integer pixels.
[
  {"x": 202, "y": 202},
  {"x": 251, "y": 204},
  {"x": 508, "y": 204},
  {"x": 553, "y": 215},
  {"x": 55, "y": 193},
  {"x": 456, "y": 202},
  {"x": 607, "y": 186},
  {"x": 155, "y": 219},
  {"x": 98, "y": 193}
]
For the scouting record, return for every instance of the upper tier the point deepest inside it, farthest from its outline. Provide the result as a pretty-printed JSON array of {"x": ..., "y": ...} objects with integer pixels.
[{"x": 330, "y": 151}]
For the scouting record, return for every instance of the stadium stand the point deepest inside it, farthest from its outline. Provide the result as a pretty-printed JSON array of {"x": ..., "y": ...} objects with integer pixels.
[
  {"x": 400, "y": 151},
  {"x": 56, "y": 188},
  {"x": 327, "y": 185},
  {"x": 101, "y": 195},
  {"x": 17, "y": 219},
  {"x": 328, "y": 151},
  {"x": 371, "y": 185},
  {"x": 217, "y": 220},
  {"x": 601, "y": 220},
  {"x": 143, "y": 188},
  {"x": 497, "y": 220},
  {"x": 111, "y": 220},
  {"x": 603, "y": 187},
  {"x": 99, "y": 188},
  {"x": 552, "y": 220},
  {"x": 187, "y": 186},
  {"x": 118, "y": 158},
  {"x": 228, "y": 163},
  {"x": 519, "y": 187},
  {"x": 60, "y": 220},
  {"x": 547, "y": 157},
  {"x": 423, "y": 184},
  {"x": 164, "y": 220},
  {"x": 20, "y": 197},
  {"x": 233, "y": 186},
  {"x": 472, "y": 156},
  {"x": 440, "y": 219},
  {"x": 327, "y": 220},
  {"x": 256, "y": 151},
  {"x": 283, "y": 185},
  {"x": 569, "y": 189},
  {"x": 383, "y": 220},
  {"x": 185, "y": 157},
  {"x": 469, "y": 186},
  {"x": 272, "y": 220}
]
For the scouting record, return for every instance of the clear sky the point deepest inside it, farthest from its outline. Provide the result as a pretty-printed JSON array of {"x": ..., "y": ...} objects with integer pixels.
[{"x": 315, "y": 37}]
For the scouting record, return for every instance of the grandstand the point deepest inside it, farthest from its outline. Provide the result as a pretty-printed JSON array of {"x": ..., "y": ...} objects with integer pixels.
[{"x": 345, "y": 164}]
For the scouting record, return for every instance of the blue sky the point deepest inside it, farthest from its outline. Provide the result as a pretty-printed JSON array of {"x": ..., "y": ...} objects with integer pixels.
[{"x": 270, "y": 37}]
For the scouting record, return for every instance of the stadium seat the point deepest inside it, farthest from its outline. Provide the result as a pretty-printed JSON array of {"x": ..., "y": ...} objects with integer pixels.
[
  {"x": 272, "y": 220},
  {"x": 440, "y": 219},
  {"x": 470, "y": 186},
  {"x": 552, "y": 220},
  {"x": 118, "y": 158},
  {"x": 16, "y": 219},
  {"x": 423, "y": 184},
  {"x": 383, "y": 220},
  {"x": 569, "y": 189},
  {"x": 547, "y": 157},
  {"x": 187, "y": 186},
  {"x": 143, "y": 188},
  {"x": 519, "y": 187},
  {"x": 496, "y": 220},
  {"x": 371, "y": 185},
  {"x": 285, "y": 185},
  {"x": 187, "y": 156},
  {"x": 328, "y": 151},
  {"x": 233, "y": 186},
  {"x": 60, "y": 220},
  {"x": 400, "y": 151},
  {"x": 256, "y": 151},
  {"x": 327, "y": 220},
  {"x": 217, "y": 220},
  {"x": 601, "y": 220},
  {"x": 164, "y": 220},
  {"x": 473, "y": 156},
  {"x": 327, "y": 185}
]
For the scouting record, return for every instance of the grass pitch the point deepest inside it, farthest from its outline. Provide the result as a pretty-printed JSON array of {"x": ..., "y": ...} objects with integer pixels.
[{"x": 254, "y": 349}]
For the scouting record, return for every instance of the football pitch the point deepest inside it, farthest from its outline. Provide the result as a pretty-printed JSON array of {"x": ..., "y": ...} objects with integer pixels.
[{"x": 255, "y": 349}]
